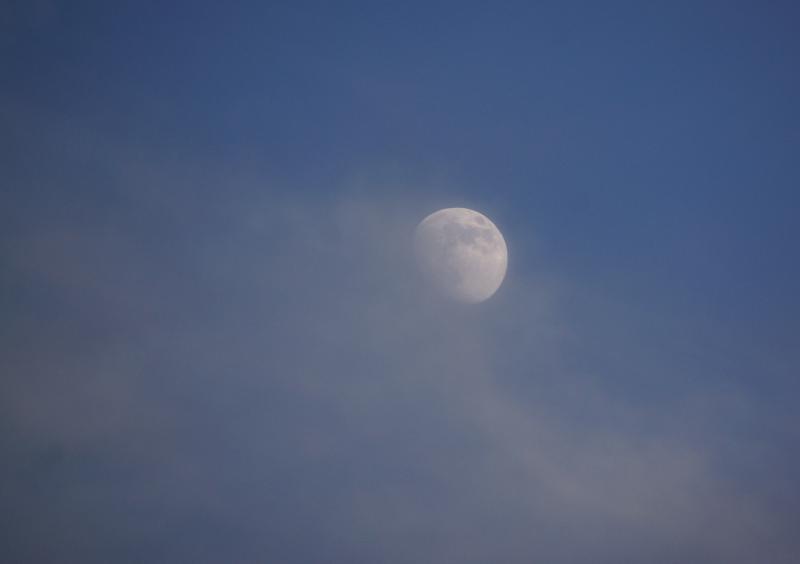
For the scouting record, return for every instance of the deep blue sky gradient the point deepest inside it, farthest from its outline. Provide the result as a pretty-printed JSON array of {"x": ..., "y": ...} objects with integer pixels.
[
  {"x": 629, "y": 133},
  {"x": 643, "y": 158}
]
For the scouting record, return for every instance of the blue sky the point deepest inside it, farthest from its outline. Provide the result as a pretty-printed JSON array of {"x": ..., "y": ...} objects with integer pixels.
[{"x": 205, "y": 216}]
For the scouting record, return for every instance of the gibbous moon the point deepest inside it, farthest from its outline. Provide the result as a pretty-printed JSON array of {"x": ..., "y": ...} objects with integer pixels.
[{"x": 462, "y": 253}]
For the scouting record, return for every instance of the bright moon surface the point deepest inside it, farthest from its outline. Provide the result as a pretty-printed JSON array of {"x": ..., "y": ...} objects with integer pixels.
[{"x": 462, "y": 252}]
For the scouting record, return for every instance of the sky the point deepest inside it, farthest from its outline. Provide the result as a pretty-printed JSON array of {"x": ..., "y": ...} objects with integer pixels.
[{"x": 215, "y": 345}]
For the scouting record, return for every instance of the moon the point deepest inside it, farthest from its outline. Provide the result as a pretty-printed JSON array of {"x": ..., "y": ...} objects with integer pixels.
[{"x": 462, "y": 253}]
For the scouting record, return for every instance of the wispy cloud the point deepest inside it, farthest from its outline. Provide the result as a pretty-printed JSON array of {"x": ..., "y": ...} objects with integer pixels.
[{"x": 210, "y": 368}]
